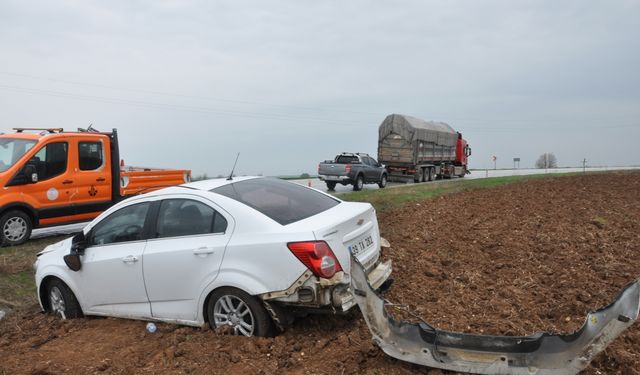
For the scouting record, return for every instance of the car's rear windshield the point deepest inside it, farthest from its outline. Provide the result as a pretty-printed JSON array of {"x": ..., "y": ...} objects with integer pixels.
[
  {"x": 346, "y": 159},
  {"x": 282, "y": 201}
]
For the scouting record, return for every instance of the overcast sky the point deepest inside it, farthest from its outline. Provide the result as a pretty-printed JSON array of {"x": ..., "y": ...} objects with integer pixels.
[{"x": 189, "y": 84}]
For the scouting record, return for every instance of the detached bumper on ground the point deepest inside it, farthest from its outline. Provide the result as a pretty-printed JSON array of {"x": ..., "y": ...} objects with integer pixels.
[{"x": 538, "y": 354}]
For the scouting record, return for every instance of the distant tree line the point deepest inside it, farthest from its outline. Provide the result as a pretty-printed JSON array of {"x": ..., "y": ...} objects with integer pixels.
[{"x": 547, "y": 160}]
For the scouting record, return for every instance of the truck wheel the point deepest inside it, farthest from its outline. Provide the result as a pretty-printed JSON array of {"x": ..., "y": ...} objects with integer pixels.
[
  {"x": 16, "y": 228},
  {"x": 331, "y": 185},
  {"x": 357, "y": 186},
  {"x": 383, "y": 181},
  {"x": 417, "y": 177},
  {"x": 431, "y": 173},
  {"x": 424, "y": 175}
]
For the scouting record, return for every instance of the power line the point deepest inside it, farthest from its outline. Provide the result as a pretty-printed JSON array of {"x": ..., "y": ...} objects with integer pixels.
[{"x": 146, "y": 91}]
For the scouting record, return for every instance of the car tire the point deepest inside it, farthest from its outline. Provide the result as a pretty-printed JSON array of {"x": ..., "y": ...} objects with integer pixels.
[
  {"x": 357, "y": 186},
  {"x": 243, "y": 313},
  {"x": 62, "y": 301},
  {"x": 331, "y": 185},
  {"x": 15, "y": 227},
  {"x": 431, "y": 174},
  {"x": 417, "y": 176},
  {"x": 383, "y": 181}
]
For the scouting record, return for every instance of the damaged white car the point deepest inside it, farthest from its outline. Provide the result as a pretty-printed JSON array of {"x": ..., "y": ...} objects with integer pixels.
[{"x": 246, "y": 253}]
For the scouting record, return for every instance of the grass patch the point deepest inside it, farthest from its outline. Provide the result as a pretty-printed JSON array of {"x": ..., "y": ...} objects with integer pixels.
[
  {"x": 384, "y": 199},
  {"x": 17, "y": 284}
]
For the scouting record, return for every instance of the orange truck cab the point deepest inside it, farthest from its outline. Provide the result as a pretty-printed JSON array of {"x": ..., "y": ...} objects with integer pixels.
[{"x": 51, "y": 177}]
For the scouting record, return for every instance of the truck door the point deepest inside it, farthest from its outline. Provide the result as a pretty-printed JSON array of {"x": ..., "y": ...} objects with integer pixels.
[
  {"x": 92, "y": 176},
  {"x": 51, "y": 196},
  {"x": 370, "y": 173}
]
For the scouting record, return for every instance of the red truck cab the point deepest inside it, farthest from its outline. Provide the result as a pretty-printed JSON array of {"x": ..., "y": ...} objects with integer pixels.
[
  {"x": 463, "y": 151},
  {"x": 52, "y": 177}
]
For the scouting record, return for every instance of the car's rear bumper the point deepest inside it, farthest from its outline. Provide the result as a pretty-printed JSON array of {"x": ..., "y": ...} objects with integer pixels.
[
  {"x": 342, "y": 298},
  {"x": 331, "y": 178},
  {"x": 539, "y": 354}
]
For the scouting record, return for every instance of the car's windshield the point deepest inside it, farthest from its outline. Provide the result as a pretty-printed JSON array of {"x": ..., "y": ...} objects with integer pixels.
[
  {"x": 284, "y": 202},
  {"x": 11, "y": 150}
]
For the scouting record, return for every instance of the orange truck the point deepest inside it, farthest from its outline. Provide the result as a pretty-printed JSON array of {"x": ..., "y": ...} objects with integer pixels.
[{"x": 52, "y": 177}]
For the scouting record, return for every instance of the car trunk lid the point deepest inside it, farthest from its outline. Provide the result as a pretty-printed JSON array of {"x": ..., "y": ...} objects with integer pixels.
[{"x": 353, "y": 230}]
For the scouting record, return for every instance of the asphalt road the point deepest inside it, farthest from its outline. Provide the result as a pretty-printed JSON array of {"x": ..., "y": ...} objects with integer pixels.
[{"x": 320, "y": 185}]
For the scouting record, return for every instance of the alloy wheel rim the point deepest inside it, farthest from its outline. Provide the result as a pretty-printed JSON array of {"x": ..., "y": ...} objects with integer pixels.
[
  {"x": 56, "y": 301},
  {"x": 232, "y": 311},
  {"x": 14, "y": 229}
]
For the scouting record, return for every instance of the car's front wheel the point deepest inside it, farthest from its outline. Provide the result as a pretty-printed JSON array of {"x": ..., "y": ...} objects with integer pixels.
[
  {"x": 62, "y": 301},
  {"x": 240, "y": 311}
]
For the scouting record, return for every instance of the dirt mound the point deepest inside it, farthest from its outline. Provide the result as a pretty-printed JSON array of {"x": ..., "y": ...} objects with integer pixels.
[{"x": 531, "y": 256}]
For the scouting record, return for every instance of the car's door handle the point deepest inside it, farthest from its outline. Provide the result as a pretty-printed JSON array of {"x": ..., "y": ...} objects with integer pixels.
[
  {"x": 204, "y": 251},
  {"x": 66, "y": 182},
  {"x": 130, "y": 259},
  {"x": 101, "y": 179}
]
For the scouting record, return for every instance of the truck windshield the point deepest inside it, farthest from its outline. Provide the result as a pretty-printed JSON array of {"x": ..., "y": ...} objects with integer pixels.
[
  {"x": 284, "y": 202},
  {"x": 11, "y": 150}
]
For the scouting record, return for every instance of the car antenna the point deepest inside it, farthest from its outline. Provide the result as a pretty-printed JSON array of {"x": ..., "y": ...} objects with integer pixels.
[{"x": 234, "y": 168}]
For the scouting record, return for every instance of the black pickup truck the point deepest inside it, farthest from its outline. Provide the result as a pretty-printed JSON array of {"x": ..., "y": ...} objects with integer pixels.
[{"x": 349, "y": 168}]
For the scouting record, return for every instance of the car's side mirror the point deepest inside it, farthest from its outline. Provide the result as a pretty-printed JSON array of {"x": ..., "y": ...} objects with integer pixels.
[
  {"x": 78, "y": 244},
  {"x": 73, "y": 261},
  {"x": 31, "y": 174}
]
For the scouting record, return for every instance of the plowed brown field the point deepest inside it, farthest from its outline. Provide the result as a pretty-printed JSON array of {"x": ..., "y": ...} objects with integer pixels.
[{"x": 530, "y": 256}]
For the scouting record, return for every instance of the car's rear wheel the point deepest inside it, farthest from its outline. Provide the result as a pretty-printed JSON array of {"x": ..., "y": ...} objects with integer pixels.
[
  {"x": 16, "y": 228},
  {"x": 238, "y": 310},
  {"x": 383, "y": 181},
  {"x": 331, "y": 185},
  {"x": 62, "y": 301},
  {"x": 357, "y": 186}
]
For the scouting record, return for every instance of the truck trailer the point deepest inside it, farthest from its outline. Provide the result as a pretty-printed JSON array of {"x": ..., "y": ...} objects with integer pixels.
[{"x": 412, "y": 148}]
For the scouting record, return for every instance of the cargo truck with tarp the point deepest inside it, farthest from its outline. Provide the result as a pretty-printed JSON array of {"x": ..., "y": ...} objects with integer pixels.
[{"x": 412, "y": 148}]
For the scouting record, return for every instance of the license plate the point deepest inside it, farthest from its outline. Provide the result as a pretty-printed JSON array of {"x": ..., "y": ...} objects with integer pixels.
[
  {"x": 332, "y": 178},
  {"x": 361, "y": 246}
]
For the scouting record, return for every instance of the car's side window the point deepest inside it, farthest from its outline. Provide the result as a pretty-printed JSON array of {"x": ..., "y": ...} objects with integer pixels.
[
  {"x": 123, "y": 225},
  {"x": 90, "y": 155},
  {"x": 186, "y": 217},
  {"x": 50, "y": 161}
]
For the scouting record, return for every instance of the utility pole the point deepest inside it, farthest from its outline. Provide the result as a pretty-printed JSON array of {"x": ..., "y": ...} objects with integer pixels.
[
  {"x": 494, "y": 162},
  {"x": 584, "y": 165},
  {"x": 546, "y": 161}
]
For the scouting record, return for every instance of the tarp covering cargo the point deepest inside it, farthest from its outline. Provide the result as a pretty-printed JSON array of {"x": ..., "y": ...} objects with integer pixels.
[{"x": 414, "y": 129}]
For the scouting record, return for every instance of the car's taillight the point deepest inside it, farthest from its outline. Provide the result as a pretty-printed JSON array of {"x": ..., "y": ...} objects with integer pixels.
[
  {"x": 318, "y": 168},
  {"x": 347, "y": 168},
  {"x": 317, "y": 256}
]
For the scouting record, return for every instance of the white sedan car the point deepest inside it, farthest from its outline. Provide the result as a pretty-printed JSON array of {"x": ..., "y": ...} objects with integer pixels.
[{"x": 246, "y": 253}]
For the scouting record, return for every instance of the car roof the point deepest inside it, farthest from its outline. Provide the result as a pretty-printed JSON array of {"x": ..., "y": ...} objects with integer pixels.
[{"x": 216, "y": 182}]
